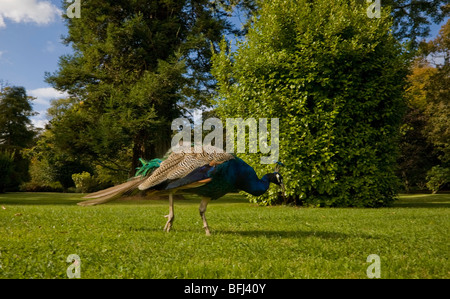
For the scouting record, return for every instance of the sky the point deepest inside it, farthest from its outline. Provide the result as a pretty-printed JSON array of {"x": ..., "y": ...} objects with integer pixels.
[{"x": 30, "y": 45}]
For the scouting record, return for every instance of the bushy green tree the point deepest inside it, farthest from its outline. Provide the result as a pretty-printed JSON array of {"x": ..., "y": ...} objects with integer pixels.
[
  {"x": 52, "y": 167},
  {"x": 412, "y": 18},
  {"x": 425, "y": 130},
  {"x": 15, "y": 124},
  {"x": 334, "y": 77},
  {"x": 84, "y": 182},
  {"x": 16, "y": 130},
  {"x": 436, "y": 91},
  {"x": 136, "y": 66},
  {"x": 437, "y": 177}
]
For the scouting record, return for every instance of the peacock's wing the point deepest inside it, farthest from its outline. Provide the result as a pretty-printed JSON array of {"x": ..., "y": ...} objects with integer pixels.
[
  {"x": 196, "y": 178},
  {"x": 166, "y": 176},
  {"x": 179, "y": 165}
]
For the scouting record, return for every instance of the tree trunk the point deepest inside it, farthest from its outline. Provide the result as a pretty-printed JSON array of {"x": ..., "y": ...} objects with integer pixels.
[{"x": 149, "y": 150}]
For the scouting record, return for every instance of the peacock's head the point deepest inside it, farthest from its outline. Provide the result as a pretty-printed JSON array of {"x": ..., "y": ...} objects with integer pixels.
[
  {"x": 278, "y": 178},
  {"x": 275, "y": 178}
]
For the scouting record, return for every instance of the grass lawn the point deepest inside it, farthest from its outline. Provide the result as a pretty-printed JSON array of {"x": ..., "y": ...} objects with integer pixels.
[{"x": 124, "y": 239}]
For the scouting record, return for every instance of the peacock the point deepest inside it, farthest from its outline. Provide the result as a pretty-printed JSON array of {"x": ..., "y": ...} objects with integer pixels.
[{"x": 210, "y": 174}]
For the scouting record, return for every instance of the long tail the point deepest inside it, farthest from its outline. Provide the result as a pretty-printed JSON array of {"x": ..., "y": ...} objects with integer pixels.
[{"x": 112, "y": 193}]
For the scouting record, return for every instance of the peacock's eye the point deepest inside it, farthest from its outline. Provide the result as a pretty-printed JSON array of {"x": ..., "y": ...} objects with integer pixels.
[{"x": 279, "y": 179}]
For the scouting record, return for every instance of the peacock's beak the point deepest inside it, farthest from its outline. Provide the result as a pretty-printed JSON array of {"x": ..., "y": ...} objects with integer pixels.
[{"x": 278, "y": 164}]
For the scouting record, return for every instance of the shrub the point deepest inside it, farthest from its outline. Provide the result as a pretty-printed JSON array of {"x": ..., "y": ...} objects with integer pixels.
[
  {"x": 437, "y": 177},
  {"x": 84, "y": 182},
  {"x": 34, "y": 186},
  {"x": 42, "y": 175},
  {"x": 334, "y": 78}
]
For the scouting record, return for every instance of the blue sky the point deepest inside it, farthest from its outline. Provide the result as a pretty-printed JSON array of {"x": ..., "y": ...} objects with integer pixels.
[{"x": 30, "y": 45}]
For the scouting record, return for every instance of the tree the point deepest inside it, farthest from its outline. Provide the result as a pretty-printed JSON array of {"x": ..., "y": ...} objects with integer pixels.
[
  {"x": 136, "y": 65},
  {"x": 15, "y": 125},
  {"x": 425, "y": 129},
  {"x": 425, "y": 141},
  {"x": 437, "y": 177},
  {"x": 411, "y": 18},
  {"x": 335, "y": 79},
  {"x": 52, "y": 167},
  {"x": 16, "y": 132},
  {"x": 6, "y": 168},
  {"x": 437, "y": 92},
  {"x": 417, "y": 152}
]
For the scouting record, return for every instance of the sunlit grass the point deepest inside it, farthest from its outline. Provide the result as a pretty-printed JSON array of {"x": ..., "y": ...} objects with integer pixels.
[{"x": 124, "y": 239}]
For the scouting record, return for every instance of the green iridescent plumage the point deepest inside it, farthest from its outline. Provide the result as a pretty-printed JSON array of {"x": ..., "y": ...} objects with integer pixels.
[{"x": 147, "y": 166}]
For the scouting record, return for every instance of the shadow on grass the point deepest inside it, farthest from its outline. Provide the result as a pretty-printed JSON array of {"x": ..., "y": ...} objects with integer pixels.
[
  {"x": 37, "y": 198},
  {"x": 440, "y": 200},
  {"x": 263, "y": 233},
  {"x": 296, "y": 234}
]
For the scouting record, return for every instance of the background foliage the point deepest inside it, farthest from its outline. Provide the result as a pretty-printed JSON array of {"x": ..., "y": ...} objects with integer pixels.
[
  {"x": 332, "y": 75},
  {"x": 426, "y": 126}
]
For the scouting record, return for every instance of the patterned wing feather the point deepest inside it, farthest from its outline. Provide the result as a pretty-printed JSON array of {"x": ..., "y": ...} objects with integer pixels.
[{"x": 179, "y": 165}]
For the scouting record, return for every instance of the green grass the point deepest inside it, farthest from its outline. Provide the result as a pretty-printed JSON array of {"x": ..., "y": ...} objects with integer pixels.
[{"x": 125, "y": 239}]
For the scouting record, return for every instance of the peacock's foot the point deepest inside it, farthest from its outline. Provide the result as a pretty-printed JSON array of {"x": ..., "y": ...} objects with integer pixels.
[
  {"x": 208, "y": 232},
  {"x": 169, "y": 223}
]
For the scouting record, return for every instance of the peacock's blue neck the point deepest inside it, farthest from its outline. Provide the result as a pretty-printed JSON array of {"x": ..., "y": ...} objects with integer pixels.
[
  {"x": 255, "y": 186},
  {"x": 231, "y": 176},
  {"x": 248, "y": 181}
]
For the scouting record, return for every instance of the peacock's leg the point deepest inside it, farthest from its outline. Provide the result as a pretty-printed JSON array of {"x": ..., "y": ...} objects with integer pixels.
[
  {"x": 171, "y": 216},
  {"x": 202, "y": 210}
]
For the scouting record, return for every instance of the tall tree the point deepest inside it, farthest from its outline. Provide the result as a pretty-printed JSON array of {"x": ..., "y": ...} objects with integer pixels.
[
  {"x": 425, "y": 129},
  {"x": 16, "y": 132},
  {"x": 436, "y": 91},
  {"x": 15, "y": 125},
  {"x": 412, "y": 18},
  {"x": 136, "y": 65}
]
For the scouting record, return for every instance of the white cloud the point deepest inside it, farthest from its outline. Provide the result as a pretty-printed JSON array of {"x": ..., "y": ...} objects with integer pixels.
[
  {"x": 28, "y": 11},
  {"x": 45, "y": 94},
  {"x": 39, "y": 123},
  {"x": 42, "y": 102},
  {"x": 49, "y": 47},
  {"x": 4, "y": 58}
]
